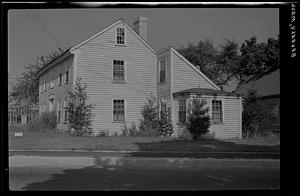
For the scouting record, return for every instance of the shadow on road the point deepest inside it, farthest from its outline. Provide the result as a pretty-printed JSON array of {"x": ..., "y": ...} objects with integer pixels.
[
  {"x": 205, "y": 148},
  {"x": 117, "y": 178}
]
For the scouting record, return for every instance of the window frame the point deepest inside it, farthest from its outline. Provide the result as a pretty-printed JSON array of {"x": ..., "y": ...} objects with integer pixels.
[
  {"x": 58, "y": 110},
  {"x": 124, "y": 110},
  {"x": 67, "y": 78},
  {"x": 213, "y": 112},
  {"x": 160, "y": 70},
  {"x": 65, "y": 102},
  {"x": 181, "y": 111},
  {"x": 51, "y": 80},
  {"x": 60, "y": 79},
  {"x": 116, "y": 39},
  {"x": 124, "y": 71}
]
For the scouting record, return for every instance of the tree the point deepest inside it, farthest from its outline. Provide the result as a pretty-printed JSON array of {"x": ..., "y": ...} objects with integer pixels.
[
  {"x": 202, "y": 55},
  {"x": 219, "y": 66},
  {"x": 198, "y": 122},
  {"x": 27, "y": 87},
  {"x": 149, "y": 123},
  {"x": 256, "y": 119},
  {"x": 79, "y": 112},
  {"x": 258, "y": 58}
]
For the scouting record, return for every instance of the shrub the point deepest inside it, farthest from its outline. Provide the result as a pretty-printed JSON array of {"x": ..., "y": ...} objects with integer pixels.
[
  {"x": 165, "y": 124},
  {"x": 79, "y": 112},
  {"x": 102, "y": 133},
  {"x": 130, "y": 131},
  {"x": 198, "y": 122},
  {"x": 256, "y": 118},
  {"x": 149, "y": 125},
  {"x": 46, "y": 121}
]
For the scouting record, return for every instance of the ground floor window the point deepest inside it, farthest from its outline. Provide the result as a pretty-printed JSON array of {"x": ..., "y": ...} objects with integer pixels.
[
  {"x": 58, "y": 111},
  {"x": 65, "y": 111},
  {"x": 118, "y": 110},
  {"x": 217, "y": 113},
  {"x": 182, "y": 111}
]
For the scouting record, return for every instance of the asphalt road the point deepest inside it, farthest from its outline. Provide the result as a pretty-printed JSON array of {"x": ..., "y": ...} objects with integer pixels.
[{"x": 119, "y": 173}]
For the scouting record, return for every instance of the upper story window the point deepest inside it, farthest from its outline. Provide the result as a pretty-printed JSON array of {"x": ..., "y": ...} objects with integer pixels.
[
  {"x": 162, "y": 71},
  {"x": 118, "y": 71},
  {"x": 52, "y": 80},
  {"x": 217, "y": 112},
  {"x": 60, "y": 79},
  {"x": 44, "y": 85},
  {"x": 118, "y": 110},
  {"x": 67, "y": 77},
  {"x": 182, "y": 111},
  {"x": 120, "y": 35}
]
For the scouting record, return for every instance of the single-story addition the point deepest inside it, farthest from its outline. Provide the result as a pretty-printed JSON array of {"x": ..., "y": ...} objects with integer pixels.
[{"x": 121, "y": 70}]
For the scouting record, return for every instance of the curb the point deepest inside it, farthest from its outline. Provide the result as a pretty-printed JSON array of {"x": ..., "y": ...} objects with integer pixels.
[{"x": 158, "y": 152}]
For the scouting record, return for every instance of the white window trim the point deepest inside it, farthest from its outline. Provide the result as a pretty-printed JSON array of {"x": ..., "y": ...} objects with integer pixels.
[
  {"x": 112, "y": 70},
  {"x": 125, "y": 110},
  {"x": 51, "y": 81},
  {"x": 116, "y": 34},
  {"x": 67, "y": 70},
  {"x": 162, "y": 82},
  {"x": 210, "y": 111}
]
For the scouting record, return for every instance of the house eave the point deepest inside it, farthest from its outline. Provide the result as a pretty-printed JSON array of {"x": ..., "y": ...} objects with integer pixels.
[{"x": 63, "y": 56}]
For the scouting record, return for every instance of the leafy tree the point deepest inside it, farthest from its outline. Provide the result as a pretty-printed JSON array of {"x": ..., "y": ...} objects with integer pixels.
[
  {"x": 79, "y": 112},
  {"x": 198, "y": 122},
  {"x": 230, "y": 61},
  {"x": 27, "y": 87},
  {"x": 256, "y": 119},
  {"x": 257, "y": 58}
]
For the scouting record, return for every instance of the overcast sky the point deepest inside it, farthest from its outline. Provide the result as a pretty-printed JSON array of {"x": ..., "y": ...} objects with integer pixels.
[{"x": 173, "y": 26}]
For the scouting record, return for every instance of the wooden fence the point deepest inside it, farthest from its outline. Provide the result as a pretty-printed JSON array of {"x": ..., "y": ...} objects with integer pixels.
[{"x": 21, "y": 114}]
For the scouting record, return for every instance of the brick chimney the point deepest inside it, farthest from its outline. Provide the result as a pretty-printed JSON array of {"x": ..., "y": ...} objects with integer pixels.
[{"x": 140, "y": 27}]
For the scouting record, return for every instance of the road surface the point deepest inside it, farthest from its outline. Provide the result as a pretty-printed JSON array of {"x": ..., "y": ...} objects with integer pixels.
[{"x": 119, "y": 173}]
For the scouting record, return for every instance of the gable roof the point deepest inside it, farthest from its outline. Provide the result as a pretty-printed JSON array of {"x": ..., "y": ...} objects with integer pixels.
[
  {"x": 265, "y": 84},
  {"x": 68, "y": 51},
  {"x": 121, "y": 20},
  {"x": 195, "y": 68},
  {"x": 206, "y": 91}
]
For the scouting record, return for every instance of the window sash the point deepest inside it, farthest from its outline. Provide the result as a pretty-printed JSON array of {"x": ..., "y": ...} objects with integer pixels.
[
  {"x": 60, "y": 79},
  {"x": 162, "y": 72},
  {"x": 217, "y": 113},
  {"x": 120, "y": 35},
  {"x": 67, "y": 77},
  {"x": 118, "y": 110},
  {"x": 182, "y": 111},
  {"x": 118, "y": 70}
]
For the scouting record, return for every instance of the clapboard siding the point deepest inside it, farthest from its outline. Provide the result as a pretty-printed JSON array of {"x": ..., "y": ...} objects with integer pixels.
[
  {"x": 185, "y": 77},
  {"x": 232, "y": 118},
  {"x": 94, "y": 66},
  {"x": 164, "y": 88},
  {"x": 59, "y": 92}
]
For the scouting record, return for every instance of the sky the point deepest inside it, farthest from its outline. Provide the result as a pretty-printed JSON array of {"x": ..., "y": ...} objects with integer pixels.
[{"x": 166, "y": 26}]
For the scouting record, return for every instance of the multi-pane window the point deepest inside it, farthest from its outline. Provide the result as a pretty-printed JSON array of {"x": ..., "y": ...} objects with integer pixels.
[
  {"x": 217, "y": 112},
  {"x": 67, "y": 76},
  {"x": 44, "y": 85},
  {"x": 120, "y": 35},
  {"x": 162, "y": 71},
  {"x": 182, "y": 111},
  {"x": 58, "y": 111},
  {"x": 65, "y": 111},
  {"x": 118, "y": 110},
  {"x": 52, "y": 80},
  {"x": 60, "y": 79},
  {"x": 118, "y": 70}
]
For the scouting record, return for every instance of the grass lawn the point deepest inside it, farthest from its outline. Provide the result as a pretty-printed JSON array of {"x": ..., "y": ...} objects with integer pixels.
[{"x": 61, "y": 141}]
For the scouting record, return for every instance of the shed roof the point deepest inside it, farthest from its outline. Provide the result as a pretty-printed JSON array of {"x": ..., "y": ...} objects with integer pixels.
[
  {"x": 206, "y": 91},
  {"x": 265, "y": 84}
]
